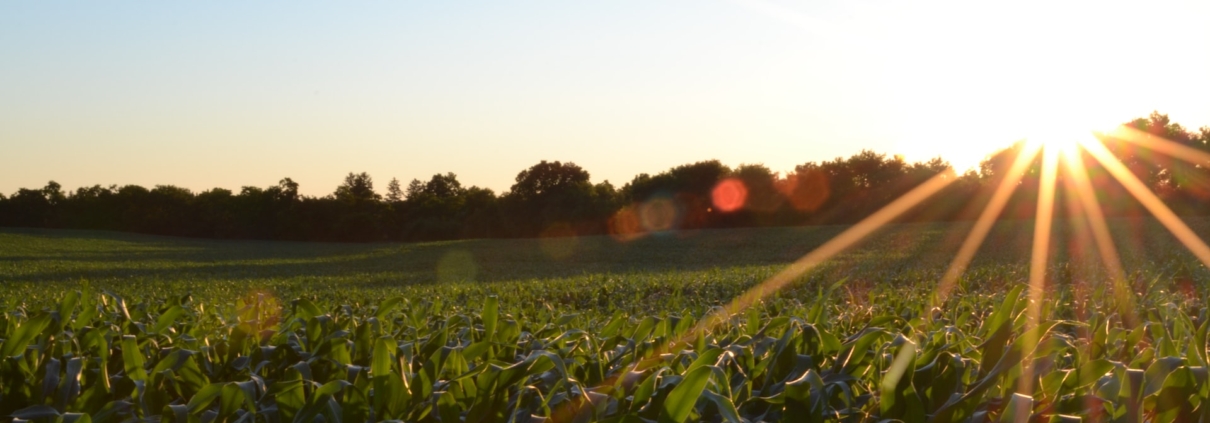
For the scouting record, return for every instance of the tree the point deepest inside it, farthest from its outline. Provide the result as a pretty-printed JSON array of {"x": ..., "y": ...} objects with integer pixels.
[
  {"x": 53, "y": 193},
  {"x": 549, "y": 193},
  {"x": 558, "y": 197},
  {"x": 394, "y": 193},
  {"x": 759, "y": 181},
  {"x": 689, "y": 186},
  {"x": 28, "y": 207},
  {"x": 357, "y": 188},
  {"x": 360, "y": 216},
  {"x": 444, "y": 186},
  {"x": 548, "y": 178},
  {"x": 439, "y": 208},
  {"x": 288, "y": 189},
  {"x": 807, "y": 188}
]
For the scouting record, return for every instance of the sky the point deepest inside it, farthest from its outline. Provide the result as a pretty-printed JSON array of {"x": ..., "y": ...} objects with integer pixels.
[{"x": 231, "y": 94}]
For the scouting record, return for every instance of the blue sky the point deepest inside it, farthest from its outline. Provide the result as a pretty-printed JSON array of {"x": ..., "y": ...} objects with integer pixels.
[{"x": 227, "y": 94}]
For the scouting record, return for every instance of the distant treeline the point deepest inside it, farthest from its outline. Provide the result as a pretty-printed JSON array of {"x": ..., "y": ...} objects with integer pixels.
[{"x": 558, "y": 199}]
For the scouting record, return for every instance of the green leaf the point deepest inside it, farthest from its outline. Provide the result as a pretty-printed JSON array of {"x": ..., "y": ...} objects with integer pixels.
[
  {"x": 204, "y": 397},
  {"x": 898, "y": 396},
  {"x": 645, "y": 390},
  {"x": 390, "y": 394},
  {"x": 726, "y": 408},
  {"x": 305, "y": 309},
  {"x": 614, "y": 324},
  {"x": 165, "y": 320},
  {"x": 1087, "y": 374},
  {"x": 132, "y": 358},
  {"x": 76, "y": 418},
  {"x": 320, "y": 402},
  {"x": 447, "y": 407},
  {"x": 381, "y": 364},
  {"x": 1019, "y": 409},
  {"x": 231, "y": 397},
  {"x": 474, "y": 350},
  {"x": 67, "y": 307},
  {"x": 387, "y": 307},
  {"x": 69, "y": 388},
  {"x": 289, "y": 396},
  {"x": 681, "y": 400},
  {"x": 1157, "y": 373},
  {"x": 36, "y": 412},
  {"x": 644, "y": 328},
  {"x": 175, "y": 413},
  {"x": 705, "y": 358},
  {"x": 25, "y": 333},
  {"x": 490, "y": 315}
]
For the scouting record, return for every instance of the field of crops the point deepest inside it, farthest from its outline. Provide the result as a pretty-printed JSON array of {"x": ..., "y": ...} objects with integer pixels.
[{"x": 117, "y": 327}]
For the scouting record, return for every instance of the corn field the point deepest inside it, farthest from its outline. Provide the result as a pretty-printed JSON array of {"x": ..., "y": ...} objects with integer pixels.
[
  {"x": 96, "y": 357},
  {"x": 123, "y": 328}
]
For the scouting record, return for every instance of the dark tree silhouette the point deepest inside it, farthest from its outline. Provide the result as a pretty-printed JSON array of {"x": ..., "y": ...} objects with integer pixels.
[
  {"x": 554, "y": 198},
  {"x": 394, "y": 192},
  {"x": 357, "y": 189}
]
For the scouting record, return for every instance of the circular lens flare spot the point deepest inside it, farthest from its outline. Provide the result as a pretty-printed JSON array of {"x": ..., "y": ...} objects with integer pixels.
[
  {"x": 658, "y": 215},
  {"x": 625, "y": 225},
  {"x": 807, "y": 190},
  {"x": 729, "y": 195}
]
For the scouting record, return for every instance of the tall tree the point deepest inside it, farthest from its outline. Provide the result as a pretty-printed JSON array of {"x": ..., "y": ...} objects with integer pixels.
[
  {"x": 362, "y": 218},
  {"x": 357, "y": 188},
  {"x": 394, "y": 192},
  {"x": 550, "y": 193}
]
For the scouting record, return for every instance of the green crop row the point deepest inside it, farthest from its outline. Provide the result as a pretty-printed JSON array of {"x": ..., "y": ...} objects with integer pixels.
[{"x": 96, "y": 357}]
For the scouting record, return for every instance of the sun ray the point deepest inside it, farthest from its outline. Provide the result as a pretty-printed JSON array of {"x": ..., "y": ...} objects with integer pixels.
[
  {"x": 1160, "y": 145},
  {"x": 1165, "y": 215},
  {"x": 1054, "y": 156},
  {"x": 986, "y": 219},
  {"x": 1081, "y": 248},
  {"x": 834, "y": 246},
  {"x": 1040, "y": 255},
  {"x": 1091, "y": 210}
]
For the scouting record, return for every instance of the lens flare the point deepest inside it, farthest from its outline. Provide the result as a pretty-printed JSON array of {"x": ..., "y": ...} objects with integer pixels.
[
  {"x": 658, "y": 215},
  {"x": 1040, "y": 255},
  {"x": 1062, "y": 151},
  {"x": 806, "y": 191},
  {"x": 986, "y": 219},
  {"x": 1165, "y": 215},
  {"x": 831, "y": 248},
  {"x": 729, "y": 195},
  {"x": 625, "y": 225},
  {"x": 1083, "y": 188},
  {"x": 835, "y": 246}
]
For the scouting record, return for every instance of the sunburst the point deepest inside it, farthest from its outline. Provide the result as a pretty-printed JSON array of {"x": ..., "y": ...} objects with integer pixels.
[{"x": 1061, "y": 152}]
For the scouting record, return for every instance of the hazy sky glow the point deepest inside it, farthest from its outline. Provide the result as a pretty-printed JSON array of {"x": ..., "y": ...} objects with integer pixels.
[{"x": 229, "y": 94}]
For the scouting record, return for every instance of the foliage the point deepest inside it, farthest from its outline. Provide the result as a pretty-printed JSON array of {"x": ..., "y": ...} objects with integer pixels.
[
  {"x": 558, "y": 199},
  {"x": 353, "y": 337}
]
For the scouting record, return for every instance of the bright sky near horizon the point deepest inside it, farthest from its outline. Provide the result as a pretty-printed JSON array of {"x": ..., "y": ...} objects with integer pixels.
[{"x": 228, "y": 94}]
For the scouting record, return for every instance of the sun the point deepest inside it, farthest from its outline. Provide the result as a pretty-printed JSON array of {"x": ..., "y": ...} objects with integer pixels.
[
  {"x": 1062, "y": 140},
  {"x": 1046, "y": 129},
  {"x": 1062, "y": 134}
]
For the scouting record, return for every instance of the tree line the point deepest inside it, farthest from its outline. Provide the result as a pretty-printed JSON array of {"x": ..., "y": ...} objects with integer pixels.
[{"x": 555, "y": 198}]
